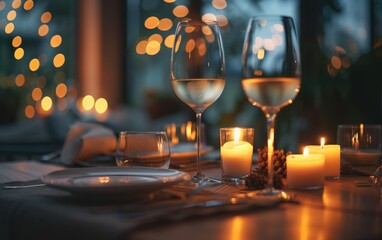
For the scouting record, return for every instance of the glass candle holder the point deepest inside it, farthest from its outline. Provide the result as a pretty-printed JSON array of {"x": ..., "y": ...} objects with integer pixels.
[
  {"x": 360, "y": 144},
  {"x": 236, "y": 150}
]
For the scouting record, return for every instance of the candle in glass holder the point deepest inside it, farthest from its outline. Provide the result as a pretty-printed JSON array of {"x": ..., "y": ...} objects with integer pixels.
[
  {"x": 236, "y": 149},
  {"x": 305, "y": 171},
  {"x": 332, "y": 158}
]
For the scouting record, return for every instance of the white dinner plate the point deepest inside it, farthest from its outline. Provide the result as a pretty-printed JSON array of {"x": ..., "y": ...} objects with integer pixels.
[{"x": 127, "y": 182}]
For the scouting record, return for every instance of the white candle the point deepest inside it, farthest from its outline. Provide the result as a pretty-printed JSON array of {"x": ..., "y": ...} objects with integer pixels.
[
  {"x": 305, "y": 171},
  {"x": 236, "y": 155},
  {"x": 332, "y": 158},
  {"x": 236, "y": 158}
]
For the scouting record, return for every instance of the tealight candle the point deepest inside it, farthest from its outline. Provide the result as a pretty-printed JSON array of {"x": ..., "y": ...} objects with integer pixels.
[
  {"x": 332, "y": 158},
  {"x": 236, "y": 151},
  {"x": 305, "y": 171}
]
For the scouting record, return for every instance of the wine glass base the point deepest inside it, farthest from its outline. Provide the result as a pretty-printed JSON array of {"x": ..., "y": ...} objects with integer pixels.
[
  {"x": 271, "y": 193},
  {"x": 204, "y": 180}
]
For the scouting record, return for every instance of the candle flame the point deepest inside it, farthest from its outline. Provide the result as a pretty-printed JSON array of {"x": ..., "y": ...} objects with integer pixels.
[
  {"x": 306, "y": 151},
  {"x": 236, "y": 135},
  {"x": 322, "y": 142}
]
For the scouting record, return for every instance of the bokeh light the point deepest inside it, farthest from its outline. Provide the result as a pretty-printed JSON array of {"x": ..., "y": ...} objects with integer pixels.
[
  {"x": 20, "y": 80},
  {"x": 61, "y": 90},
  {"x": 278, "y": 27},
  {"x": 59, "y": 60},
  {"x": 101, "y": 105},
  {"x": 260, "y": 54},
  {"x": 9, "y": 28},
  {"x": 34, "y": 64},
  {"x": 222, "y": 20},
  {"x": 153, "y": 47},
  {"x": 165, "y": 24},
  {"x": 209, "y": 17},
  {"x": 141, "y": 47},
  {"x": 11, "y": 15},
  {"x": 2, "y": 5},
  {"x": 43, "y": 30},
  {"x": 151, "y": 22},
  {"x": 46, "y": 103},
  {"x": 206, "y": 30},
  {"x": 180, "y": 11},
  {"x": 36, "y": 94},
  {"x": 169, "y": 41},
  {"x": 46, "y": 17},
  {"x": 336, "y": 62},
  {"x": 55, "y": 41},
  {"x": 28, "y": 5},
  {"x": 190, "y": 45},
  {"x": 156, "y": 37},
  {"x": 16, "y": 4},
  {"x": 201, "y": 45},
  {"x": 29, "y": 111},
  {"x": 189, "y": 29},
  {"x": 219, "y": 4},
  {"x": 19, "y": 53},
  {"x": 16, "y": 41},
  {"x": 88, "y": 102}
]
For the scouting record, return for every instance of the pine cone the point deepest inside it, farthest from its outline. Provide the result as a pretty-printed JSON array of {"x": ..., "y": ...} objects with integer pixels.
[
  {"x": 279, "y": 161},
  {"x": 257, "y": 181}
]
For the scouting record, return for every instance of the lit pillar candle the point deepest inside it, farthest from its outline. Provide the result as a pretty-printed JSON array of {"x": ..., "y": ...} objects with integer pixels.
[
  {"x": 305, "y": 171},
  {"x": 237, "y": 158},
  {"x": 236, "y": 155},
  {"x": 332, "y": 158}
]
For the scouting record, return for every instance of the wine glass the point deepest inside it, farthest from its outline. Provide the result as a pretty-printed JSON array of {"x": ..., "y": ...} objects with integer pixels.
[
  {"x": 198, "y": 72},
  {"x": 271, "y": 73}
]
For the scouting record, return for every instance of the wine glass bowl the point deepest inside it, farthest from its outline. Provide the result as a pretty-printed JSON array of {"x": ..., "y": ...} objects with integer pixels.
[
  {"x": 198, "y": 71},
  {"x": 271, "y": 62},
  {"x": 271, "y": 72}
]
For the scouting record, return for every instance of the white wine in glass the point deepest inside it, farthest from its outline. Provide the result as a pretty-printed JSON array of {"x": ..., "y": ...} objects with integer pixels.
[
  {"x": 271, "y": 74},
  {"x": 198, "y": 72}
]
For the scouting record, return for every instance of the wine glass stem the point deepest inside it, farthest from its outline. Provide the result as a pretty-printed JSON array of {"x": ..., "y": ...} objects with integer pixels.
[
  {"x": 271, "y": 131},
  {"x": 199, "y": 173}
]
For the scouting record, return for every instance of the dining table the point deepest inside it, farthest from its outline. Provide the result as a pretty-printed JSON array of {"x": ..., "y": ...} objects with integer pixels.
[{"x": 349, "y": 207}]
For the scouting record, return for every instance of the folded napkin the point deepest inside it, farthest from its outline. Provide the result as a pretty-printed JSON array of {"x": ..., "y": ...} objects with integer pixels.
[{"x": 87, "y": 140}]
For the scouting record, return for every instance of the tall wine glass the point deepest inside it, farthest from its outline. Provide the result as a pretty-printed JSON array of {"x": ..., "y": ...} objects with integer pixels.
[
  {"x": 271, "y": 73},
  {"x": 198, "y": 72}
]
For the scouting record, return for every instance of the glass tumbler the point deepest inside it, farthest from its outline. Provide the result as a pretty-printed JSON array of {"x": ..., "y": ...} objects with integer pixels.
[
  {"x": 360, "y": 144},
  {"x": 143, "y": 149}
]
